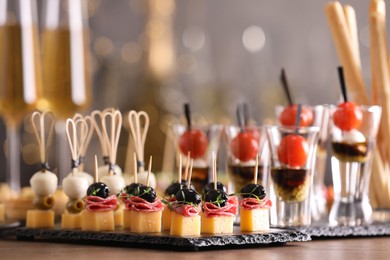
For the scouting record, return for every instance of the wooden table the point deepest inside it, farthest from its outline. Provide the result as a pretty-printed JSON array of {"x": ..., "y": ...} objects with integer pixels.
[{"x": 357, "y": 248}]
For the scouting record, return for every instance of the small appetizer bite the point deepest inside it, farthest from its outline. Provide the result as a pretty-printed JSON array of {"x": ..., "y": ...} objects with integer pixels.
[
  {"x": 98, "y": 214},
  {"x": 138, "y": 133},
  {"x": 144, "y": 207},
  {"x": 43, "y": 183},
  {"x": 254, "y": 207},
  {"x": 185, "y": 220},
  {"x": 75, "y": 184},
  {"x": 218, "y": 208}
]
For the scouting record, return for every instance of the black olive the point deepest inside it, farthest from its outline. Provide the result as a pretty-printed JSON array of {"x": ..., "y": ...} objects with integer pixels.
[
  {"x": 217, "y": 197},
  {"x": 210, "y": 186},
  {"x": 98, "y": 189},
  {"x": 175, "y": 187},
  {"x": 147, "y": 193},
  {"x": 188, "y": 195},
  {"x": 253, "y": 191},
  {"x": 133, "y": 189}
]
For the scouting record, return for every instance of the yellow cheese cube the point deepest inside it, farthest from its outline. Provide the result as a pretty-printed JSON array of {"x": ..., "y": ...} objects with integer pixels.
[
  {"x": 166, "y": 218},
  {"x": 127, "y": 219},
  {"x": 37, "y": 218},
  {"x": 216, "y": 225},
  {"x": 97, "y": 221},
  {"x": 2, "y": 212},
  {"x": 70, "y": 221},
  {"x": 118, "y": 216},
  {"x": 145, "y": 222},
  {"x": 185, "y": 226},
  {"x": 254, "y": 219}
]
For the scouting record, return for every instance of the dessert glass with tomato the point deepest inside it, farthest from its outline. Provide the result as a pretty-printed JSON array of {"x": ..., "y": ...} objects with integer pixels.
[
  {"x": 243, "y": 145},
  {"x": 293, "y": 150},
  {"x": 353, "y": 133},
  {"x": 317, "y": 115},
  {"x": 199, "y": 142}
]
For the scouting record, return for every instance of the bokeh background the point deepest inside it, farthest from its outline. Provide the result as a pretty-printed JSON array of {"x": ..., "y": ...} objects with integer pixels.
[{"x": 155, "y": 55}]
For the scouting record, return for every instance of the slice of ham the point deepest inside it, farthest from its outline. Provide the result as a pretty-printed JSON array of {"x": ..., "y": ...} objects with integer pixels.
[
  {"x": 186, "y": 210},
  {"x": 95, "y": 203},
  {"x": 139, "y": 204},
  {"x": 229, "y": 210},
  {"x": 253, "y": 203}
]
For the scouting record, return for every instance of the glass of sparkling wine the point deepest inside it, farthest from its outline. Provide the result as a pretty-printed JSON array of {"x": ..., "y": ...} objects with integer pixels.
[
  {"x": 353, "y": 142},
  {"x": 66, "y": 67},
  {"x": 20, "y": 74}
]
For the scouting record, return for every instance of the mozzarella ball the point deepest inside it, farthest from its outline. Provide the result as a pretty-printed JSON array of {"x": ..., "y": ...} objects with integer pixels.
[
  {"x": 142, "y": 176},
  {"x": 352, "y": 136},
  {"x": 75, "y": 186},
  {"x": 104, "y": 170},
  {"x": 114, "y": 182},
  {"x": 44, "y": 183}
]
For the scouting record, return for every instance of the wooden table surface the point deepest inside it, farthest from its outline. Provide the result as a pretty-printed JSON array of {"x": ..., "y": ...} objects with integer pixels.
[{"x": 372, "y": 248}]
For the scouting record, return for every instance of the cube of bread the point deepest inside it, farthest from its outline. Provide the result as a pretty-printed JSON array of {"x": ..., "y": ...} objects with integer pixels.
[
  {"x": 97, "y": 221},
  {"x": 70, "y": 220},
  {"x": 166, "y": 218},
  {"x": 127, "y": 219},
  {"x": 185, "y": 226},
  {"x": 145, "y": 222},
  {"x": 37, "y": 218},
  {"x": 216, "y": 225},
  {"x": 254, "y": 219}
]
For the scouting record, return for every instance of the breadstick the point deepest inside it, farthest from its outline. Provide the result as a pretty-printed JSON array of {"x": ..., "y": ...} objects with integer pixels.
[
  {"x": 350, "y": 18},
  {"x": 340, "y": 33}
]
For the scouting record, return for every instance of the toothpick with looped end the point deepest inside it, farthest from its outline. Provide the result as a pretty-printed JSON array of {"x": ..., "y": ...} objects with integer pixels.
[
  {"x": 44, "y": 138},
  {"x": 96, "y": 120},
  {"x": 214, "y": 170},
  {"x": 139, "y": 134},
  {"x": 189, "y": 178},
  {"x": 256, "y": 170},
  {"x": 76, "y": 132},
  {"x": 111, "y": 135},
  {"x": 135, "y": 168},
  {"x": 83, "y": 151}
]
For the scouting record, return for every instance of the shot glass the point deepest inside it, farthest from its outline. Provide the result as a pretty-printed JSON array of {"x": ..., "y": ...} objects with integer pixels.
[
  {"x": 243, "y": 145},
  {"x": 353, "y": 142},
  {"x": 293, "y": 154},
  {"x": 199, "y": 143},
  {"x": 320, "y": 115}
]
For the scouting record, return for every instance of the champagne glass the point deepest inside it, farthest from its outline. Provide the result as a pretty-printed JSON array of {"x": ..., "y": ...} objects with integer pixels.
[
  {"x": 20, "y": 78},
  {"x": 65, "y": 65}
]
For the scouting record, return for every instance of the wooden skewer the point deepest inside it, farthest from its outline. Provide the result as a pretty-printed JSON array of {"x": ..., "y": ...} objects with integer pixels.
[
  {"x": 96, "y": 119},
  {"x": 112, "y": 136},
  {"x": 139, "y": 133},
  {"x": 214, "y": 170},
  {"x": 96, "y": 169},
  {"x": 135, "y": 168},
  {"x": 256, "y": 173},
  {"x": 149, "y": 171},
  {"x": 341, "y": 37},
  {"x": 187, "y": 165},
  {"x": 189, "y": 178},
  {"x": 180, "y": 169},
  {"x": 76, "y": 138}
]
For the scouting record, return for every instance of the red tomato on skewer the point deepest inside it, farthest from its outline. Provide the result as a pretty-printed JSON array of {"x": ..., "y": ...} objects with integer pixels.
[
  {"x": 289, "y": 114},
  {"x": 245, "y": 145},
  {"x": 293, "y": 150},
  {"x": 348, "y": 116},
  {"x": 194, "y": 141}
]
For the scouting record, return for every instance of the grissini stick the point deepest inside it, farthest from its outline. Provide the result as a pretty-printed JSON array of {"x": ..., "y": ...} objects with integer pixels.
[
  {"x": 350, "y": 18},
  {"x": 340, "y": 32}
]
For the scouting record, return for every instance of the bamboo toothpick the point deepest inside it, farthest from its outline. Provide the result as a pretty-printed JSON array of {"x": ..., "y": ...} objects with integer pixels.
[
  {"x": 187, "y": 165},
  {"x": 96, "y": 169},
  {"x": 139, "y": 133},
  {"x": 112, "y": 134},
  {"x": 214, "y": 170},
  {"x": 149, "y": 171},
  {"x": 76, "y": 139},
  {"x": 256, "y": 170},
  {"x": 135, "y": 168},
  {"x": 189, "y": 178},
  {"x": 180, "y": 169}
]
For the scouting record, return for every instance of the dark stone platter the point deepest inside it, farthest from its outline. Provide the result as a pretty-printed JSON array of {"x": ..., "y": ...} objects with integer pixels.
[
  {"x": 325, "y": 232},
  {"x": 163, "y": 240}
]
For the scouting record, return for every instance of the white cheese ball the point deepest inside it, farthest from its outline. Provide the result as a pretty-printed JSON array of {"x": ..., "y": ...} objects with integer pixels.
[
  {"x": 142, "y": 176},
  {"x": 104, "y": 170},
  {"x": 352, "y": 136},
  {"x": 44, "y": 183},
  {"x": 199, "y": 163},
  {"x": 75, "y": 186},
  {"x": 248, "y": 163},
  {"x": 114, "y": 182}
]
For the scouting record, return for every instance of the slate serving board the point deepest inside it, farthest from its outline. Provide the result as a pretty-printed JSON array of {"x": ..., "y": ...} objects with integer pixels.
[{"x": 163, "y": 240}]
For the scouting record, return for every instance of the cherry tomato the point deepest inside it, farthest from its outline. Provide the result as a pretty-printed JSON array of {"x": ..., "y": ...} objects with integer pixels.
[
  {"x": 293, "y": 150},
  {"x": 245, "y": 145},
  {"x": 348, "y": 116},
  {"x": 289, "y": 114},
  {"x": 194, "y": 141}
]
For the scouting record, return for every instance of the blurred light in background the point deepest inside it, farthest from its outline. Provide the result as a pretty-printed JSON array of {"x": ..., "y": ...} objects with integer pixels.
[
  {"x": 253, "y": 39},
  {"x": 194, "y": 38}
]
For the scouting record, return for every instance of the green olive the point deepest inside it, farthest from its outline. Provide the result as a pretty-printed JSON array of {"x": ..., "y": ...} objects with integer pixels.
[
  {"x": 75, "y": 206},
  {"x": 43, "y": 202}
]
